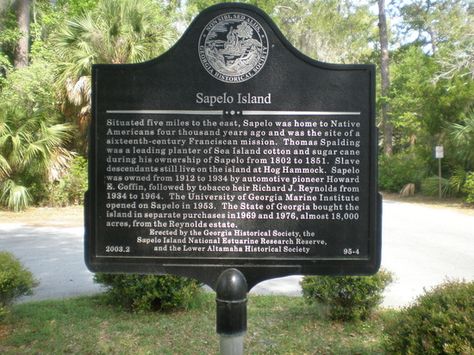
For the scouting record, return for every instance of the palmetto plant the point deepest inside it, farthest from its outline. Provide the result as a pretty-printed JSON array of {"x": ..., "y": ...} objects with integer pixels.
[
  {"x": 32, "y": 137},
  {"x": 462, "y": 135},
  {"x": 126, "y": 31}
]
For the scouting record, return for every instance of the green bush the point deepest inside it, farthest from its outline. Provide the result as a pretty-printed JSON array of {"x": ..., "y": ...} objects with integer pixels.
[
  {"x": 400, "y": 169},
  {"x": 70, "y": 189},
  {"x": 457, "y": 180},
  {"x": 469, "y": 187},
  {"x": 346, "y": 297},
  {"x": 439, "y": 322},
  {"x": 15, "y": 281},
  {"x": 430, "y": 187},
  {"x": 149, "y": 292}
]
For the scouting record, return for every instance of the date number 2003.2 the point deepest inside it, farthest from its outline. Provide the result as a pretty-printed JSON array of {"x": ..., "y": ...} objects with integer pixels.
[{"x": 117, "y": 249}]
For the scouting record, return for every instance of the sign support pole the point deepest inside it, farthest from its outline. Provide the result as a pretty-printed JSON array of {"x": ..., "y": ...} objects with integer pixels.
[
  {"x": 439, "y": 154},
  {"x": 231, "y": 311},
  {"x": 439, "y": 178}
]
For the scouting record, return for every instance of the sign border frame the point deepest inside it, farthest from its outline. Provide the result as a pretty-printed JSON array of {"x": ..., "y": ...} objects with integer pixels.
[{"x": 254, "y": 272}]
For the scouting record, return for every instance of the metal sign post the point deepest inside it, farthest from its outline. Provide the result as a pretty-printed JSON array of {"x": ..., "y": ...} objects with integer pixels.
[
  {"x": 439, "y": 154},
  {"x": 231, "y": 311}
]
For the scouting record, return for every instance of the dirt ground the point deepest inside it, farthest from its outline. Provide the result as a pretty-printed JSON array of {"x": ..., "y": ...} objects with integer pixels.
[
  {"x": 453, "y": 203},
  {"x": 71, "y": 216}
]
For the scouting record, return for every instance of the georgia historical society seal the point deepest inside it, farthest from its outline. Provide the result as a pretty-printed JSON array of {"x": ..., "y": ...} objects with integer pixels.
[{"x": 233, "y": 47}]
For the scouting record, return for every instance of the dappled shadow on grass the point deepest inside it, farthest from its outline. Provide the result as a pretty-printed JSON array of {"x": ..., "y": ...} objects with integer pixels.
[{"x": 276, "y": 325}]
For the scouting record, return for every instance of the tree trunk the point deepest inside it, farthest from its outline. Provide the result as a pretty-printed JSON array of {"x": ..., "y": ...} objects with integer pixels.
[
  {"x": 434, "y": 40},
  {"x": 384, "y": 63},
  {"x": 22, "y": 8}
]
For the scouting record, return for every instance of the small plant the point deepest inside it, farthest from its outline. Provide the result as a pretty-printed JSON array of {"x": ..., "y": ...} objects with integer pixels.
[
  {"x": 149, "y": 292},
  {"x": 70, "y": 189},
  {"x": 430, "y": 187},
  {"x": 457, "y": 180},
  {"x": 469, "y": 187},
  {"x": 15, "y": 281},
  {"x": 440, "y": 322},
  {"x": 346, "y": 297}
]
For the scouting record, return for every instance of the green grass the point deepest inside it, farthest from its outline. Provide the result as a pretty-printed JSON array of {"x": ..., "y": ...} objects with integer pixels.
[{"x": 276, "y": 325}]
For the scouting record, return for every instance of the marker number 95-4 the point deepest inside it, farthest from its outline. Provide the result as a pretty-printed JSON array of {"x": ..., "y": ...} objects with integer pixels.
[{"x": 351, "y": 251}]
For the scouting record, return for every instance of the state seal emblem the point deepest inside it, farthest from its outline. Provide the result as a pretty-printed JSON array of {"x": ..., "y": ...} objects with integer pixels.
[{"x": 233, "y": 47}]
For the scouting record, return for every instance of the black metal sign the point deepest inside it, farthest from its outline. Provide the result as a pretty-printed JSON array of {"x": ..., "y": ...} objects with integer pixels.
[{"x": 233, "y": 149}]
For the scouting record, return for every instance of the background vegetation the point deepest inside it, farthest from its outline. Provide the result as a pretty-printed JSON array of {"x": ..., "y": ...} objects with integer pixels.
[
  {"x": 149, "y": 292},
  {"x": 15, "y": 281},
  {"x": 346, "y": 298},
  {"x": 423, "y": 50},
  {"x": 439, "y": 322}
]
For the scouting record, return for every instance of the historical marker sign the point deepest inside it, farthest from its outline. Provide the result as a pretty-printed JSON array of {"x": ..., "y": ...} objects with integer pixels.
[{"x": 233, "y": 150}]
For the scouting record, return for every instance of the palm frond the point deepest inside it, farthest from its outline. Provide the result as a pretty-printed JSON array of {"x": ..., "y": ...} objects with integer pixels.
[
  {"x": 462, "y": 135},
  {"x": 59, "y": 164},
  {"x": 127, "y": 31},
  {"x": 5, "y": 168},
  {"x": 34, "y": 154},
  {"x": 14, "y": 196}
]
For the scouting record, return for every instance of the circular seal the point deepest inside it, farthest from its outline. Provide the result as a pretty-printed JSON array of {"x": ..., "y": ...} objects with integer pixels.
[{"x": 233, "y": 47}]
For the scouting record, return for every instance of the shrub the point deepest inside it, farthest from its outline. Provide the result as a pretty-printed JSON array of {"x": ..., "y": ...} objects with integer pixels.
[
  {"x": 457, "y": 180},
  {"x": 439, "y": 322},
  {"x": 469, "y": 187},
  {"x": 400, "y": 169},
  {"x": 77, "y": 180},
  {"x": 15, "y": 281},
  {"x": 346, "y": 297},
  {"x": 70, "y": 189},
  {"x": 430, "y": 187},
  {"x": 149, "y": 292}
]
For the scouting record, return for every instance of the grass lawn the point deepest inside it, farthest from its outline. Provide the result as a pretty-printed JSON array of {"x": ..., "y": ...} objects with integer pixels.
[{"x": 276, "y": 325}]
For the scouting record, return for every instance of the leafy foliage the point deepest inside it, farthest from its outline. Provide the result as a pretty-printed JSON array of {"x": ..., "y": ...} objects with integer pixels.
[
  {"x": 458, "y": 180},
  {"x": 400, "y": 169},
  {"x": 435, "y": 24},
  {"x": 75, "y": 8},
  {"x": 32, "y": 137},
  {"x": 9, "y": 32},
  {"x": 149, "y": 292},
  {"x": 462, "y": 139},
  {"x": 430, "y": 187},
  {"x": 409, "y": 95},
  {"x": 70, "y": 189},
  {"x": 326, "y": 30},
  {"x": 15, "y": 281},
  {"x": 347, "y": 297},
  {"x": 469, "y": 187},
  {"x": 116, "y": 32},
  {"x": 440, "y": 322}
]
